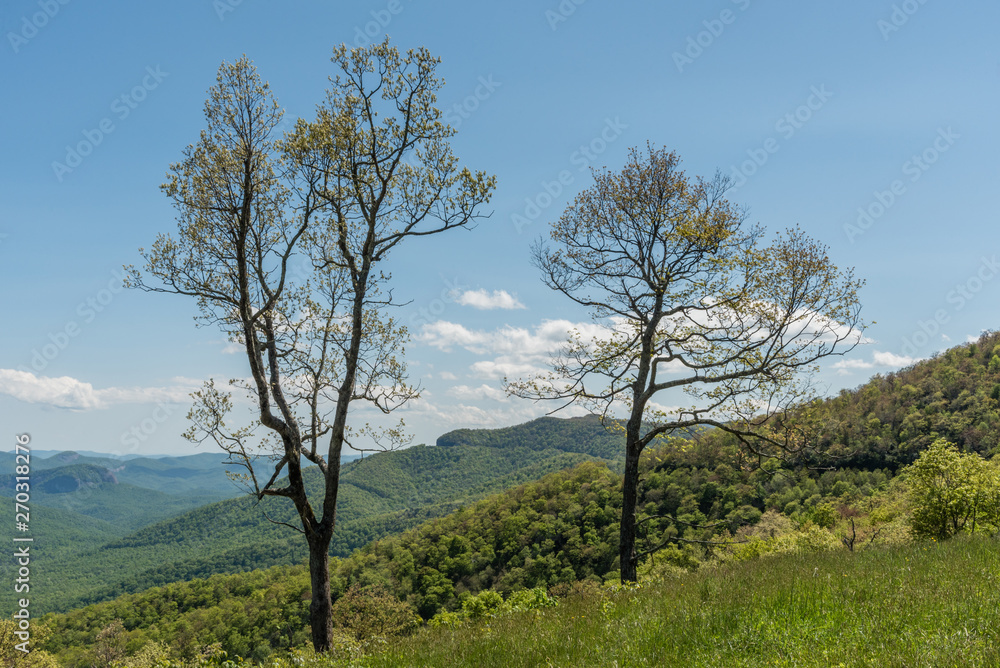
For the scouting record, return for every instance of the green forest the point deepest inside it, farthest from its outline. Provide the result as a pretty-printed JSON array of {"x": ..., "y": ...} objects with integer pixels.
[
  {"x": 500, "y": 335},
  {"x": 553, "y": 530},
  {"x": 380, "y": 495}
]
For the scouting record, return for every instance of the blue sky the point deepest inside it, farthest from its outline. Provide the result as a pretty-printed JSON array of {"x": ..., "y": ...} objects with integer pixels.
[{"x": 872, "y": 125}]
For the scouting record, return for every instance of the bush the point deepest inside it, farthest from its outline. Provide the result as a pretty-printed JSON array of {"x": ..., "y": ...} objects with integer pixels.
[
  {"x": 372, "y": 612},
  {"x": 490, "y": 603},
  {"x": 484, "y": 604},
  {"x": 952, "y": 492},
  {"x": 824, "y": 515},
  {"x": 152, "y": 655},
  {"x": 528, "y": 599}
]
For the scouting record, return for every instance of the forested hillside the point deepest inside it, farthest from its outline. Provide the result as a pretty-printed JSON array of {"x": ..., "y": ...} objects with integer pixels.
[
  {"x": 580, "y": 434},
  {"x": 699, "y": 504},
  {"x": 891, "y": 418},
  {"x": 380, "y": 495},
  {"x": 96, "y": 492},
  {"x": 551, "y": 533}
]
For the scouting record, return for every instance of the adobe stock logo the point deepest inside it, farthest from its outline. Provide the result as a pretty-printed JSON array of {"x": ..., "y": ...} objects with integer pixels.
[
  {"x": 788, "y": 125},
  {"x": 915, "y": 168},
  {"x": 562, "y": 13},
  {"x": 699, "y": 43},
  {"x": 122, "y": 107},
  {"x": 30, "y": 25},
  {"x": 141, "y": 432},
  {"x": 463, "y": 110},
  {"x": 87, "y": 311},
  {"x": 582, "y": 158},
  {"x": 900, "y": 16},
  {"x": 363, "y": 35},
  {"x": 223, "y": 7},
  {"x": 959, "y": 296}
]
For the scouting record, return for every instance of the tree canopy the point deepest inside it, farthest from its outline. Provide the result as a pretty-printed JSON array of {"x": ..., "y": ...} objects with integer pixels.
[
  {"x": 282, "y": 241},
  {"x": 691, "y": 301}
]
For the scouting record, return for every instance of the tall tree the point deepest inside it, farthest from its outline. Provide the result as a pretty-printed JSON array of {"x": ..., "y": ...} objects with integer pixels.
[
  {"x": 696, "y": 310},
  {"x": 283, "y": 243}
]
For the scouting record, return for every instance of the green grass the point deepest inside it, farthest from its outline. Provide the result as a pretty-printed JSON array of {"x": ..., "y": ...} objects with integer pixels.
[{"x": 920, "y": 605}]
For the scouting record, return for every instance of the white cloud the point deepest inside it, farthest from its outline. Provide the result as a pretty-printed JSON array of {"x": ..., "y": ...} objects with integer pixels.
[
  {"x": 482, "y": 392},
  {"x": 844, "y": 367},
  {"x": 67, "y": 392},
  {"x": 891, "y": 359},
  {"x": 454, "y": 415},
  {"x": 662, "y": 408},
  {"x": 505, "y": 367},
  {"x": 62, "y": 392},
  {"x": 879, "y": 358},
  {"x": 547, "y": 338},
  {"x": 448, "y": 375},
  {"x": 488, "y": 301},
  {"x": 443, "y": 335},
  {"x": 516, "y": 352}
]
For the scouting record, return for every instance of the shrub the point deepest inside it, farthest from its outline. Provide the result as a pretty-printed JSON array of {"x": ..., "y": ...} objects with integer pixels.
[
  {"x": 952, "y": 492},
  {"x": 484, "y": 604},
  {"x": 372, "y": 612},
  {"x": 490, "y": 603}
]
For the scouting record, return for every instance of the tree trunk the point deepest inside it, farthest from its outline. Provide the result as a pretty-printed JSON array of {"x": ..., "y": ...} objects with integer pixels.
[
  {"x": 321, "y": 608},
  {"x": 630, "y": 485}
]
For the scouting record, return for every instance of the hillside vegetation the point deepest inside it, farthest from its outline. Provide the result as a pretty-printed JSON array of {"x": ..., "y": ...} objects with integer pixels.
[
  {"x": 380, "y": 495},
  {"x": 555, "y": 533},
  {"x": 95, "y": 492},
  {"x": 580, "y": 434},
  {"x": 890, "y": 419},
  {"x": 710, "y": 524},
  {"x": 881, "y": 608}
]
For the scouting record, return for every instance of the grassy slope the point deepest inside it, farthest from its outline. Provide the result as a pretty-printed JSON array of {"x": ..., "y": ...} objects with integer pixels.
[{"x": 918, "y": 605}]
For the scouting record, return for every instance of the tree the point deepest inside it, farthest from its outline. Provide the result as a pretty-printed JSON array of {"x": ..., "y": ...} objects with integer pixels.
[
  {"x": 109, "y": 648},
  {"x": 952, "y": 491},
  {"x": 19, "y": 648},
  {"x": 688, "y": 300},
  {"x": 283, "y": 243}
]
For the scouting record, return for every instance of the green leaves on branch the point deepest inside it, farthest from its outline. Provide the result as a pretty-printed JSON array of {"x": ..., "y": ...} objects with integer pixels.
[
  {"x": 281, "y": 241},
  {"x": 953, "y": 492},
  {"x": 689, "y": 299}
]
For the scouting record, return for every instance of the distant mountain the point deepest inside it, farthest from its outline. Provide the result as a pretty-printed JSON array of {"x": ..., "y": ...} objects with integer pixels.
[
  {"x": 585, "y": 435},
  {"x": 380, "y": 495},
  {"x": 201, "y": 475},
  {"x": 95, "y": 491},
  {"x": 43, "y": 454}
]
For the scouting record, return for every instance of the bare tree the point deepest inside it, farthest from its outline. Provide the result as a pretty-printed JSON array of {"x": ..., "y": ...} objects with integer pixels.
[
  {"x": 695, "y": 308},
  {"x": 283, "y": 243}
]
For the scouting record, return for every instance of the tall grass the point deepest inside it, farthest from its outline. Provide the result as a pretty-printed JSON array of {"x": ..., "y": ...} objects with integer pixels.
[{"x": 935, "y": 605}]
